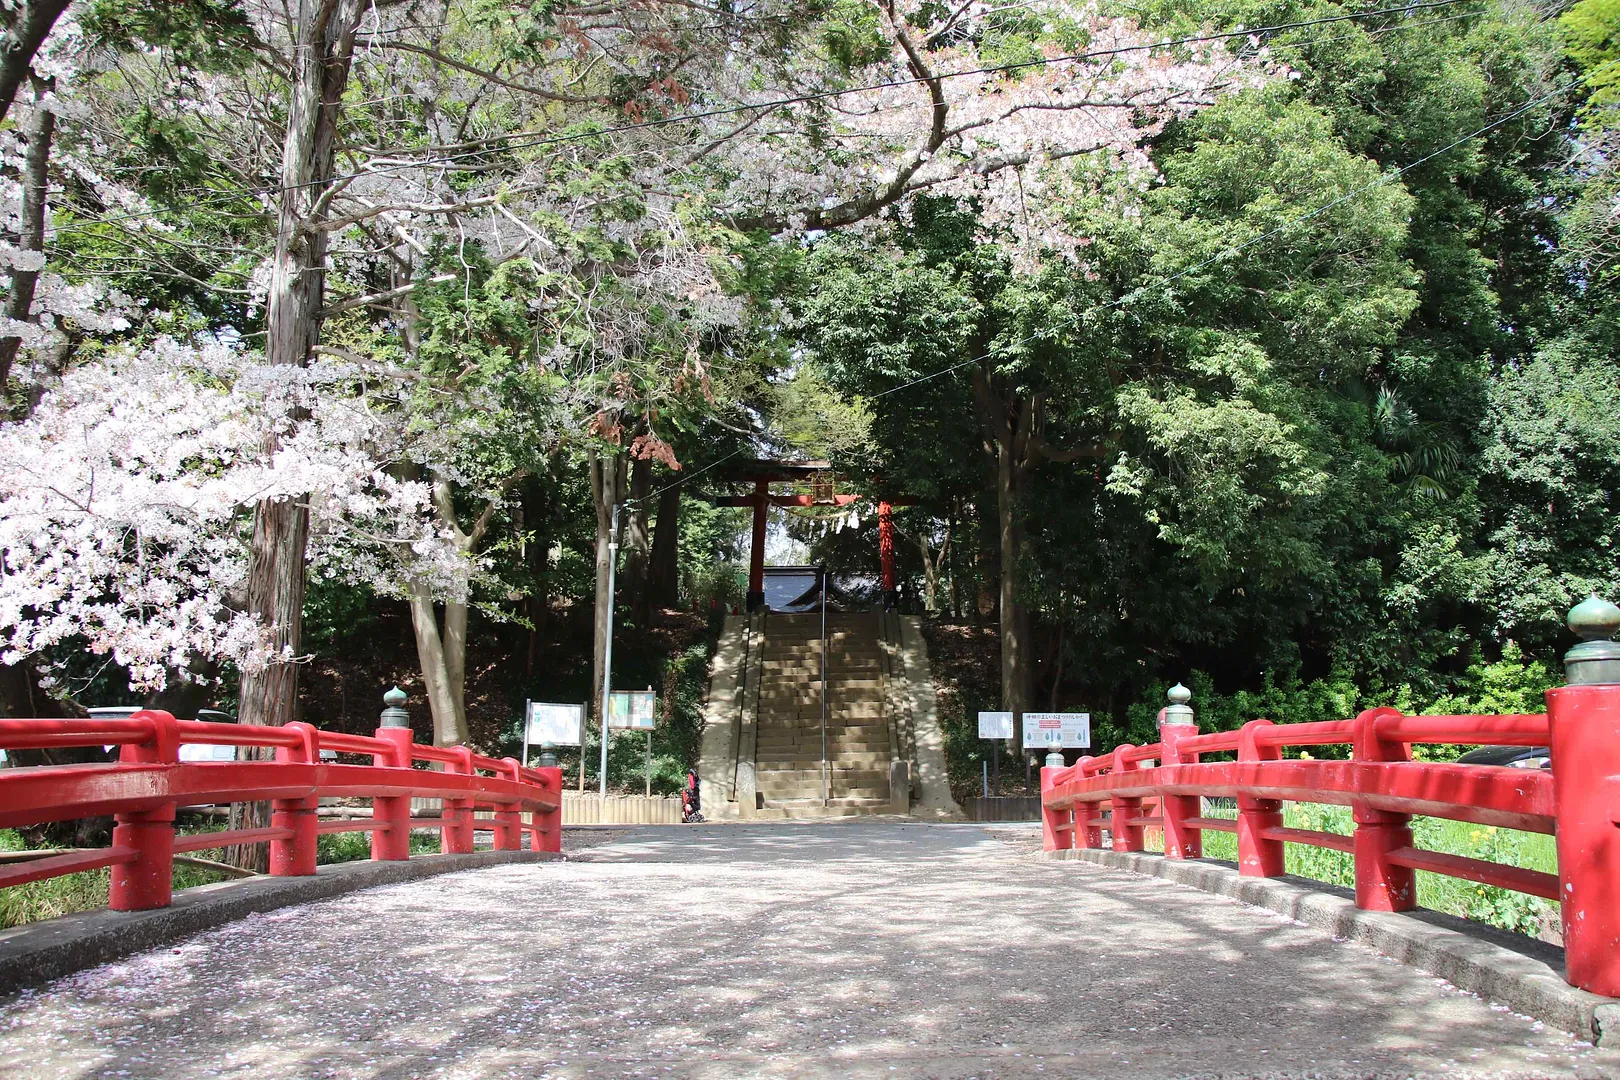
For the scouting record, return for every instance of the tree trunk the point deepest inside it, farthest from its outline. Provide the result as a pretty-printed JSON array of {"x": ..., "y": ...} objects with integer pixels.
[
  {"x": 455, "y": 663},
  {"x": 932, "y": 562},
  {"x": 1057, "y": 669},
  {"x": 433, "y": 652},
  {"x": 321, "y": 57},
  {"x": 956, "y": 595},
  {"x": 31, "y": 236},
  {"x": 607, "y": 481},
  {"x": 25, "y": 32},
  {"x": 537, "y": 553},
  {"x": 1014, "y": 619},
  {"x": 664, "y": 576},
  {"x": 638, "y": 540},
  {"x": 270, "y": 695}
]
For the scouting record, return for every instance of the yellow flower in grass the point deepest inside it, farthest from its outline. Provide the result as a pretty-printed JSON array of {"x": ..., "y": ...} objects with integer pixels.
[{"x": 1305, "y": 755}]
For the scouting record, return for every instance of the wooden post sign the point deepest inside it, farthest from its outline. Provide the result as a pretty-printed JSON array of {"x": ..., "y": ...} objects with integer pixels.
[
  {"x": 635, "y": 710},
  {"x": 547, "y": 723}
]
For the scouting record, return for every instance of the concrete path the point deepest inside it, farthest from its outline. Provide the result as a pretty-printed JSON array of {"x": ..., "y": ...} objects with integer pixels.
[{"x": 829, "y": 950}]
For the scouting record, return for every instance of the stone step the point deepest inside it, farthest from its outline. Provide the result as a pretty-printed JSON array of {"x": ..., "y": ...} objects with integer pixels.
[
  {"x": 839, "y": 714},
  {"x": 811, "y": 732},
  {"x": 809, "y": 736},
  {"x": 812, "y": 775},
  {"x": 853, "y": 732},
  {"x": 809, "y": 693},
  {"x": 807, "y": 803},
  {"x": 867, "y": 761},
  {"x": 869, "y": 711},
  {"x": 784, "y": 732},
  {"x": 809, "y": 757}
]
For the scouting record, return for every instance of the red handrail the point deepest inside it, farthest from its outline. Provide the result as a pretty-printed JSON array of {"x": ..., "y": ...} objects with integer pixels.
[
  {"x": 1577, "y": 799},
  {"x": 148, "y": 783}
]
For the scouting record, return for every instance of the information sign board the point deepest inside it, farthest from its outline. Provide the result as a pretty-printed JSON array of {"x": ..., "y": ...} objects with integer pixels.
[
  {"x": 636, "y": 710},
  {"x": 559, "y": 725},
  {"x": 995, "y": 725},
  {"x": 1070, "y": 730}
]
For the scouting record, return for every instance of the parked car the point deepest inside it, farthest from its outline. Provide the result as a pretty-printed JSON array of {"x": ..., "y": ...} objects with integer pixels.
[{"x": 1514, "y": 757}]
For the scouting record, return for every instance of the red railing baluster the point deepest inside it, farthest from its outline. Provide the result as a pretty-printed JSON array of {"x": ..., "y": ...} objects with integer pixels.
[
  {"x": 1258, "y": 854},
  {"x": 392, "y": 842},
  {"x": 508, "y": 820},
  {"x": 1585, "y": 721},
  {"x": 295, "y": 856},
  {"x": 1086, "y": 833},
  {"x": 547, "y": 834},
  {"x": 147, "y": 880},
  {"x": 1181, "y": 841},
  {"x": 1127, "y": 834},
  {"x": 1057, "y": 826},
  {"x": 457, "y": 832},
  {"x": 1381, "y": 884}
]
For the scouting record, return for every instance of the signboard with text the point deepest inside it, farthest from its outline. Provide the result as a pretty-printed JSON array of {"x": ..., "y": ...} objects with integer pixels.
[
  {"x": 559, "y": 725},
  {"x": 995, "y": 725},
  {"x": 633, "y": 709},
  {"x": 1070, "y": 730}
]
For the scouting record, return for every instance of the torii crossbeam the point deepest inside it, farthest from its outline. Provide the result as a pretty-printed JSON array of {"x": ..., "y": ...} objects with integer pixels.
[{"x": 763, "y": 474}]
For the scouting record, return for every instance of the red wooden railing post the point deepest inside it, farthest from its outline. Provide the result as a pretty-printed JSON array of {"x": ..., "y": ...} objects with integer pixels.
[
  {"x": 1181, "y": 841},
  {"x": 1086, "y": 835},
  {"x": 1127, "y": 834},
  {"x": 1585, "y": 720},
  {"x": 148, "y": 880},
  {"x": 1258, "y": 855},
  {"x": 548, "y": 823},
  {"x": 458, "y": 813},
  {"x": 393, "y": 842},
  {"x": 296, "y": 855},
  {"x": 509, "y": 819},
  {"x": 1380, "y": 884},
  {"x": 1057, "y": 826}
]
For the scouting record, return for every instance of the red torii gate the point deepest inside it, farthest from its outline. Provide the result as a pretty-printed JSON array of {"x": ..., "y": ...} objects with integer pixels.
[{"x": 763, "y": 474}]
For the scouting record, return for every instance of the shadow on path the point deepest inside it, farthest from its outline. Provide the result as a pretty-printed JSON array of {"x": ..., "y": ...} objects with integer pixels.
[{"x": 829, "y": 950}]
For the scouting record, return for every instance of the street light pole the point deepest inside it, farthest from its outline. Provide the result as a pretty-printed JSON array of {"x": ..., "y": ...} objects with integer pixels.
[{"x": 607, "y": 652}]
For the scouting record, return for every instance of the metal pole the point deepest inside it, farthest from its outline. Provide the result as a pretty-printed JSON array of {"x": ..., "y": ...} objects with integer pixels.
[
  {"x": 984, "y": 778},
  {"x": 995, "y": 748},
  {"x": 607, "y": 653},
  {"x": 649, "y": 764},
  {"x": 525, "y": 733},
  {"x": 826, "y": 788}
]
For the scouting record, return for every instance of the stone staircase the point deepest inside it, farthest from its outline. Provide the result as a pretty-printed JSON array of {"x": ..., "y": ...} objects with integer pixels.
[
  {"x": 761, "y": 755},
  {"x": 859, "y": 737}
]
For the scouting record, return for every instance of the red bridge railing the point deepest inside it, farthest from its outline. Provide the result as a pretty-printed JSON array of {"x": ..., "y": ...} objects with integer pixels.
[
  {"x": 147, "y": 784},
  {"x": 1577, "y": 800}
]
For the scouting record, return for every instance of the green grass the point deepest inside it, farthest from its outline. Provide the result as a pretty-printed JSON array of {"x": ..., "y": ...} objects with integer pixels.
[
  {"x": 88, "y": 891},
  {"x": 1502, "y": 908}
]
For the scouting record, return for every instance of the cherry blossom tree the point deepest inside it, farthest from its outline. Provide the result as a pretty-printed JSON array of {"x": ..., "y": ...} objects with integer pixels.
[{"x": 613, "y": 156}]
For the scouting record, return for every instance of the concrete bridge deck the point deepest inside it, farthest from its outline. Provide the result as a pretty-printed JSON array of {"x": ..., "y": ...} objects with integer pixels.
[{"x": 799, "y": 950}]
